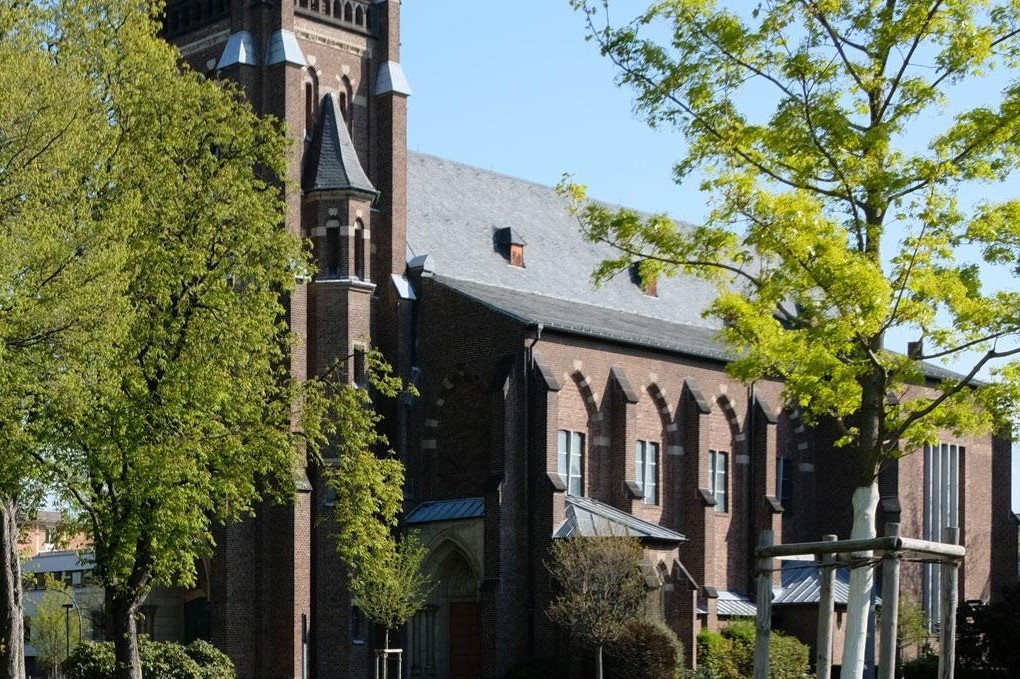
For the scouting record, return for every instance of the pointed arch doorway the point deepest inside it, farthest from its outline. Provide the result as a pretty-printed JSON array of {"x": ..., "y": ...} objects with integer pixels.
[{"x": 445, "y": 638}]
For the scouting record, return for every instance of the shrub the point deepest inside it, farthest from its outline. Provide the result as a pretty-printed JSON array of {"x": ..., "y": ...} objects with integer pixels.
[
  {"x": 90, "y": 660},
  {"x": 730, "y": 654},
  {"x": 535, "y": 668},
  {"x": 198, "y": 660},
  {"x": 167, "y": 661},
  {"x": 924, "y": 666},
  {"x": 213, "y": 662},
  {"x": 645, "y": 650}
]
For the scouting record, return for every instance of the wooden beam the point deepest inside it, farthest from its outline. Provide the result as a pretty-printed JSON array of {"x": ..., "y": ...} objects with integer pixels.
[
  {"x": 890, "y": 608},
  {"x": 763, "y": 622},
  {"x": 826, "y": 608}
]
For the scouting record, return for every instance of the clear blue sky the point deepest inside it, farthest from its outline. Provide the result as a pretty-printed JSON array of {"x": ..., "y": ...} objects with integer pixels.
[{"x": 515, "y": 88}]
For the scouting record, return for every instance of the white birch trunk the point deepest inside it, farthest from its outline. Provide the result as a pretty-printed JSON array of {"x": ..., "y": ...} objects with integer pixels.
[{"x": 862, "y": 581}]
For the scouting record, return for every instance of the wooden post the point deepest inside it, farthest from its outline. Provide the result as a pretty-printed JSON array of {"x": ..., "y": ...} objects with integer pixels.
[
  {"x": 763, "y": 624},
  {"x": 890, "y": 608},
  {"x": 950, "y": 595},
  {"x": 826, "y": 608}
]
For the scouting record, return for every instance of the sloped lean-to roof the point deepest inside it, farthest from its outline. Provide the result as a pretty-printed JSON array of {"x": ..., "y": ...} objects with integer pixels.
[
  {"x": 802, "y": 584},
  {"x": 590, "y": 518},
  {"x": 447, "y": 510}
]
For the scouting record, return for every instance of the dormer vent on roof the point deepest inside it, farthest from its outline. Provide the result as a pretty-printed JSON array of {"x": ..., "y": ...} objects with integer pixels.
[
  {"x": 510, "y": 244},
  {"x": 644, "y": 279}
]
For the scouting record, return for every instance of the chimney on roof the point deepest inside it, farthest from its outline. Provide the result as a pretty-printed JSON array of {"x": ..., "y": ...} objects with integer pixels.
[
  {"x": 649, "y": 283},
  {"x": 510, "y": 244},
  {"x": 915, "y": 349}
]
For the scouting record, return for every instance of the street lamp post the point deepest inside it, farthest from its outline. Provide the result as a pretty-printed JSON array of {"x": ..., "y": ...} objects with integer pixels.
[{"x": 67, "y": 628}]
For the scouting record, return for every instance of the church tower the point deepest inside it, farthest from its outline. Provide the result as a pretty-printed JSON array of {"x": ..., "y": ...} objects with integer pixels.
[{"x": 330, "y": 69}]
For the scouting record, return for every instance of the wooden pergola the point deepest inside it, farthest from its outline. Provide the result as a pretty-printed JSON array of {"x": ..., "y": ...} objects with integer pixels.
[{"x": 891, "y": 549}]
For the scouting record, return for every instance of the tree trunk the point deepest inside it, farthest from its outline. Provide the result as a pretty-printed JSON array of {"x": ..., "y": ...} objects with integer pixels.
[
  {"x": 12, "y": 623},
  {"x": 862, "y": 581},
  {"x": 598, "y": 662},
  {"x": 122, "y": 616}
]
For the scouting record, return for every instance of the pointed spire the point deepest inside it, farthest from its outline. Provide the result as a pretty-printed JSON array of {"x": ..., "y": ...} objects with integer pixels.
[{"x": 331, "y": 161}]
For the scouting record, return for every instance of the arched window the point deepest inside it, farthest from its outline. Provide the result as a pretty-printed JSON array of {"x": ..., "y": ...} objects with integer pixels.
[
  {"x": 346, "y": 96},
  {"x": 359, "y": 250},
  {"x": 311, "y": 98},
  {"x": 359, "y": 17},
  {"x": 348, "y": 12},
  {"x": 336, "y": 9}
]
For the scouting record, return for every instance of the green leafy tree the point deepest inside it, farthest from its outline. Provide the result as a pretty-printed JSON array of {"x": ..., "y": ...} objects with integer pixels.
[
  {"x": 601, "y": 588},
  {"x": 911, "y": 627},
  {"x": 384, "y": 571},
  {"x": 189, "y": 420},
  {"x": 54, "y": 628},
  {"x": 835, "y": 216},
  {"x": 394, "y": 589},
  {"x": 359, "y": 467},
  {"x": 60, "y": 255}
]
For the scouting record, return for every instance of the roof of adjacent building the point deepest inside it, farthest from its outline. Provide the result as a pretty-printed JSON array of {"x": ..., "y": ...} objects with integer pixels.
[
  {"x": 331, "y": 162},
  {"x": 54, "y": 562},
  {"x": 590, "y": 518},
  {"x": 802, "y": 584},
  {"x": 447, "y": 510}
]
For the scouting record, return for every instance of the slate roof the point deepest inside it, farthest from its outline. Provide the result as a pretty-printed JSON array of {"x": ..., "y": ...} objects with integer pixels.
[
  {"x": 591, "y": 518},
  {"x": 593, "y": 321},
  {"x": 454, "y": 211},
  {"x": 447, "y": 510},
  {"x": 454, "y": 215},
  {"x": 331, "y": 162}
]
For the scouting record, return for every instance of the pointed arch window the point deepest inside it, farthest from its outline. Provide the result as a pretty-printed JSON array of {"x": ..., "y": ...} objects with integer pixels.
[
  {"x": 344, "y": 98},
  {"x": 359, "y": 250},
  {"x": 311, "y": 98}
]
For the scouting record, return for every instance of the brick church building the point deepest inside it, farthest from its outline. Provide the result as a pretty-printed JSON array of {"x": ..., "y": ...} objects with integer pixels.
[{"x": 546, "y": 408}]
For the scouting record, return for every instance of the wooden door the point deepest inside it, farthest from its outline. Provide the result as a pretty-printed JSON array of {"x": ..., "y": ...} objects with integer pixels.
[{"x": 465, "y": 641}]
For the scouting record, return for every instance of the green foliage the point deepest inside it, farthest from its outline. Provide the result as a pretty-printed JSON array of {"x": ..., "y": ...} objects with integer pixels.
[
  {"x": 340, "y": 417},
  {"x": 730, "y": 654},
  {"x": 167, "y": 661},
  {"x": 836, "y": 217},
  {"x": 394, "y": 589},
  {"x": 197, "y": 660},
  {"x": 912, "y": 624},
  {"x": 52, "y": 626},
  {"x": 90, "y": 660},
  {"x": 601, "y": 588},
  {"x": 645, "y": 650},
  {"x": 924, "y": 666},
  {"x": 212, "y": 662},
  {"x": 536, "y": 668},
  {"x": 833, "y": 222}
]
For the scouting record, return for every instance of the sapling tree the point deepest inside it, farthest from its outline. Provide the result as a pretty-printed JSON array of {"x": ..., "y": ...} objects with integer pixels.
[
  {"x": 834, "y": 138},
  {"x": 601, "y": 587},
  {"x": 394, "y": 589}
]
